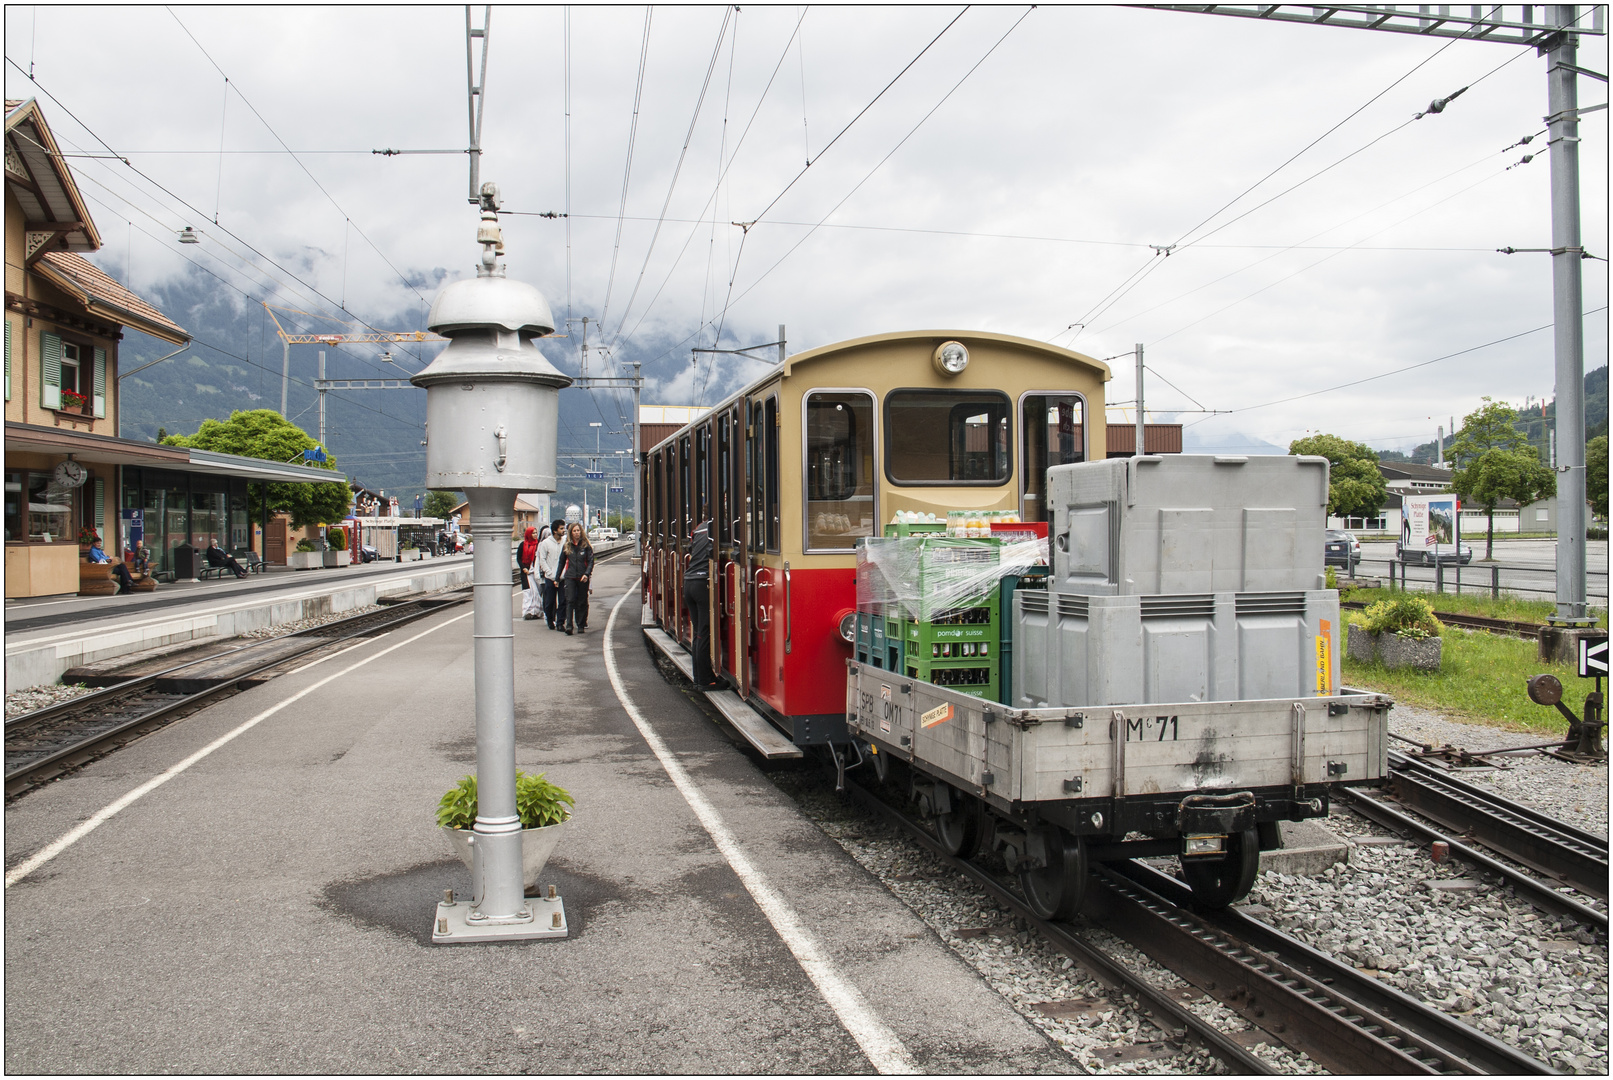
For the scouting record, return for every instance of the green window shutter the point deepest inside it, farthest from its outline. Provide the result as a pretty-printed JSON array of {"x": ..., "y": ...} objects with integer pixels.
[
  {"x": 8, "y": 359},
  {"x": 50, "y": 363},
  {"x": 100, "y": 382},
  {"x": 100, "y": 508}
]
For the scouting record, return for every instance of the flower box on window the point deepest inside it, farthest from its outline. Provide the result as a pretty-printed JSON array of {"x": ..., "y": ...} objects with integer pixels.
[{"x": 73, "y": 401}]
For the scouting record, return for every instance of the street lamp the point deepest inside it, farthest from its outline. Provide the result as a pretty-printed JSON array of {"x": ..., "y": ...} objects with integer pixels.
[{"x": 492, "y": 412}]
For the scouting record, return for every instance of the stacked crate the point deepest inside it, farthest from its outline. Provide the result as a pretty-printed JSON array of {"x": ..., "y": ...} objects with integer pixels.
[{"x": 951, "y": 632}]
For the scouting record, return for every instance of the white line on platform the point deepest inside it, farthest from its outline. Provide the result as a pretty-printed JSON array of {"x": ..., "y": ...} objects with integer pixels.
[
  {"x": 877, "y": 1040},
  {"x": 56, "y": 847}
]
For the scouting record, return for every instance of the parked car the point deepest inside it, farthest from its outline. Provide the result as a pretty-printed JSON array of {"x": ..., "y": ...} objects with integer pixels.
[
  {"x": 1445, "y": 553},
  {"x": 1341, "y": 549}
]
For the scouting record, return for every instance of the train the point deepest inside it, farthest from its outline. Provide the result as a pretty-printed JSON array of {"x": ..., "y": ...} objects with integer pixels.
[{"x": 810, "y": 472}]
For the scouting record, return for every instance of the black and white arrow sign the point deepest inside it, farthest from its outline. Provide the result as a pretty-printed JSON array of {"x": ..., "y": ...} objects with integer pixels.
[{"x": 1592, "y": 657}]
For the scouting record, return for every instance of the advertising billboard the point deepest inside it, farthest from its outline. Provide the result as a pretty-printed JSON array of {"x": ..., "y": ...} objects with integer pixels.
[{"x": 1430, "y": 527}]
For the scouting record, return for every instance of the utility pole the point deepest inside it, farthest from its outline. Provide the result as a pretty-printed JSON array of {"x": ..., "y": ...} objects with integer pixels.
[
  {"x": 478, "y": 94},
  {"x": 1138, "y": 452},
  {"x": 1557, "y": 40},
  {"x": 321, "y": 398},
  {"x": 1568, "y": 328}
]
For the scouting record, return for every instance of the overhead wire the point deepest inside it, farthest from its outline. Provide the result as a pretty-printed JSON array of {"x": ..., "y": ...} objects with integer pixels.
[
  {"x": 627, "y": 171},
  {"x": 880, "y": 164},
  {"x": 267, "y": 127}
]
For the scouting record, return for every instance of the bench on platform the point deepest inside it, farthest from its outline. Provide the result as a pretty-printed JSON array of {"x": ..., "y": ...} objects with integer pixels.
[{"x": 250, "y": 560}]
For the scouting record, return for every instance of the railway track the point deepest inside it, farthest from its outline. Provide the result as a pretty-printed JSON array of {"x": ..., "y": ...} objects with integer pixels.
[
  {"x": 1562, "y": 852},
  {"x": 1302, "y": 998},
  {"x": 43, "y": 744}
]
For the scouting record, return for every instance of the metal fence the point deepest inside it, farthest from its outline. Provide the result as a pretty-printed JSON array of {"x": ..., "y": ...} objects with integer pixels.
[{"x": 1495, "y": 579}]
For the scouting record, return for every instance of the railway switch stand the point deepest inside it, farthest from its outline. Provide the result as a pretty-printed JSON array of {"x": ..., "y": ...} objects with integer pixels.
[{"x": 492, "y": 413}]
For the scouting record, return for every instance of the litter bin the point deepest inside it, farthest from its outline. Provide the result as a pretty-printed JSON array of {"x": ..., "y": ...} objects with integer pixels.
[{"x": 186, "y": 562}]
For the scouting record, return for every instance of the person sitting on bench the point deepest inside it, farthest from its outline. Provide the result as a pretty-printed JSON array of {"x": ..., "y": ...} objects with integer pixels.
[
  {"x": 119, "y": 570},
  {"x": 216, "y": 557}
]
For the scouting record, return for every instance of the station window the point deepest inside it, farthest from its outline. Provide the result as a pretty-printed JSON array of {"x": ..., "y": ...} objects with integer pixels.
[
  {"x": 1054, "y": 434},
  {"x": 838, "y": 481},
  {"x": 947, "y": 437}
]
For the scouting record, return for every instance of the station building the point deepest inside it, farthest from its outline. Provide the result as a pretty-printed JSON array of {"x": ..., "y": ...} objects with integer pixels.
[{"x": 68, "y": 474}]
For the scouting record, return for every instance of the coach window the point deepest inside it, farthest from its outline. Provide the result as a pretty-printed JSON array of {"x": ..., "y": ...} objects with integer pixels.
[
  {"x": 683, "y": 487},
  {"x": 753, "y": 474},
  {"x": 723, "y": 490},
  {"x": 770, "y": 423},
  {"x": 947, "y": 437},
  {"x": 1054, "y": 434},
  {"x": 838, "y": 470}
]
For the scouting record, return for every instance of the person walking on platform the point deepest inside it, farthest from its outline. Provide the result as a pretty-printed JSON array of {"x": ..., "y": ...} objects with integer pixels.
[
  {"x": 526, "y": 558},
  {"x": 554, "y": 538},
  {"x": 697, "y": 595},
  {"x": 576, "y": 568}
]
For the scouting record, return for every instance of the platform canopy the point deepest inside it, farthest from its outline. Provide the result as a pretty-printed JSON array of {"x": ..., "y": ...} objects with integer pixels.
[{"x": 106, "y": 450}]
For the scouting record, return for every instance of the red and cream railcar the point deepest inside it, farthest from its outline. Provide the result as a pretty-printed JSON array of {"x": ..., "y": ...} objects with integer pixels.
[{"x": 820, "y": 452}]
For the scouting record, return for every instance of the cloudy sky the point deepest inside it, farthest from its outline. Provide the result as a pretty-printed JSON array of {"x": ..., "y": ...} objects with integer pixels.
[{"x": 1012, "y": 178}]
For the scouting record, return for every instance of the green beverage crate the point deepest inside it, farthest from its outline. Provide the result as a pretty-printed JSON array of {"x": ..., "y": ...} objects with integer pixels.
[
  {"x": 975, "y": 677},
  {"x": 876, "y": 647},
  {"x": 1032, "y": 579},
  {"x": 917, "y": 528}
]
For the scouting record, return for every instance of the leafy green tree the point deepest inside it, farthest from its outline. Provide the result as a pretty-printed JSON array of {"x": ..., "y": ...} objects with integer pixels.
[
  {"x": 1355, "y": 486},
  {"x": 1503, "y": 474},
  {"x": 1491, "y": 427},
  {"x": 1596, "y": 474},
  {"x": 439, "y": 503},
  {"x": 265, "y": 434}
]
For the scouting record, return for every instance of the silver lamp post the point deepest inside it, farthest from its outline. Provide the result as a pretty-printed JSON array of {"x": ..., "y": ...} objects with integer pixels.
[{"x": 492, "y": 414}]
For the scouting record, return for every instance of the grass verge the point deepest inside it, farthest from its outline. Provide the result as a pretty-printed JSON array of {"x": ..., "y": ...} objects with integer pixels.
[
  {"x": 1515, "y": 608},
  {"x": 1480, "y": 679}
]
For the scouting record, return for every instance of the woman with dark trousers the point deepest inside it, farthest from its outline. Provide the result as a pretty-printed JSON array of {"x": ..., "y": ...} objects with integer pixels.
[{"x": 576, "y": 567}]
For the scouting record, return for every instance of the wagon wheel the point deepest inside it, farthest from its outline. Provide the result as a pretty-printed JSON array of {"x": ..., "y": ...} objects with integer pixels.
[
  {"x": 1220, "y": 882},
  {"x": 959, "y": 831},
  {"x": 1056, "y": 890}
]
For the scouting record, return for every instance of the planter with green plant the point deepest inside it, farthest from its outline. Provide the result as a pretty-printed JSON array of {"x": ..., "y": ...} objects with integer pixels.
[
  {"x": 544, "y": 809},
  {"x": 1402, "y": 632},
  {"x": 305, "y": 556}
]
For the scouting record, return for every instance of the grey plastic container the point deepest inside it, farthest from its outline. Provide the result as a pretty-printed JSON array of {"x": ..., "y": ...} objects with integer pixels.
[
  {"x": 1073, "y": 650},
  {"x": 1188, "y": 523}
]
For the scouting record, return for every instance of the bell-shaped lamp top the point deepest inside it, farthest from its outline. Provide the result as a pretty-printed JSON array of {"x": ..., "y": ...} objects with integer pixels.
[{"x": 489, "y": 302}]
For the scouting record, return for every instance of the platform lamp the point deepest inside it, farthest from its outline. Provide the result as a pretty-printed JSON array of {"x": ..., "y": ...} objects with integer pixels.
[{"x": 492, "y": 416}]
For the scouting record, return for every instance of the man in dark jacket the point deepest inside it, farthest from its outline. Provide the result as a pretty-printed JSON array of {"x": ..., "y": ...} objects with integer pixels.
[{"x": 697, "y": 596}]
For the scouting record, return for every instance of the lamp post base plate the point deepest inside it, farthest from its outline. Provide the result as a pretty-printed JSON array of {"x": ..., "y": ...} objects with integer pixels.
[{"x": 453, "y": 925}]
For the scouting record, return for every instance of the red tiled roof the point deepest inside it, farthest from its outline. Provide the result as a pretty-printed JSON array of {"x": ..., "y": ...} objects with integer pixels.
[{"x": 96, "y": 289}]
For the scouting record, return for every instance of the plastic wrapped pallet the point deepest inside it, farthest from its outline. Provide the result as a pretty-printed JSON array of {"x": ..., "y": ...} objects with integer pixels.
[{"x": 928, "y": 578}]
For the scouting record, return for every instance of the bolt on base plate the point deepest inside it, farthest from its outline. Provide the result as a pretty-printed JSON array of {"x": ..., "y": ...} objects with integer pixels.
[{"x": 453, "y": 925}]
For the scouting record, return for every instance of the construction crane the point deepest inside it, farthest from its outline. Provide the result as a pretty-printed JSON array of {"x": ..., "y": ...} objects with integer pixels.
[{"x": 322, "y": 384}]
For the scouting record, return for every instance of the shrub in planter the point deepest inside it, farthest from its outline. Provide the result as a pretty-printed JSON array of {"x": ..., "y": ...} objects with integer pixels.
[
  {"x": 336, "y": 536},
  {"x": 305, "y": 545},
  {"x": 1405, "y": 633},
  {"x": 543, "y": 808}
]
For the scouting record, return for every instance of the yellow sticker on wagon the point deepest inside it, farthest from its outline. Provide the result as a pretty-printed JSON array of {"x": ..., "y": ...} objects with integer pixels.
[
  {"x": 1324, "y": 659},
  {"x": 938, "y": 715}
]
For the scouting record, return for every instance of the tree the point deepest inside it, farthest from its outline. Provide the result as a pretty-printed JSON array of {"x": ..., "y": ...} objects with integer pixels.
[
  {"x": 439, "y": 503},
  {"x": 1503, "y": 474},
  {"x": 1596, "y": 474},
  {"x": 1491, "y": 427},
  {"x": 265, "y": 434},
  {"x": 1355, "y": 486}
]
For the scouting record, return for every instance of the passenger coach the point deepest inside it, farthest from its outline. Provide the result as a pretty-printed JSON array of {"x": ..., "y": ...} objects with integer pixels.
[{"x": 797, "y": 467}]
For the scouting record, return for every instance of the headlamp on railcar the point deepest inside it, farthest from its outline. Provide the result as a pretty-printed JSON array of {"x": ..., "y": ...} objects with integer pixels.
[
  {"x": 848, "y": 626},
  {"x": 951, "y": 358}
]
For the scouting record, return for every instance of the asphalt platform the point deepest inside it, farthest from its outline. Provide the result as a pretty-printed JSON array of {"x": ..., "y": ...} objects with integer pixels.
[{"x": 268, "y": 908}]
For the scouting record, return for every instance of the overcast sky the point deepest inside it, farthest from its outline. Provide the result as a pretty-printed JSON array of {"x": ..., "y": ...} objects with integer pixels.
[{"x": 1023, "y": 202}]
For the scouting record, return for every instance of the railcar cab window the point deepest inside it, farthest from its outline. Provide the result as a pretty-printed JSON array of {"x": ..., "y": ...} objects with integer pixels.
[
  {"x": 1054, "y": 434},
  {"x": 839, "y": 480},
  {"x": 947, "y": 437}
]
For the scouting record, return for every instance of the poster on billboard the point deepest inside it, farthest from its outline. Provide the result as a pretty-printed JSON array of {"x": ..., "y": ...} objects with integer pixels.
[{"x": 1430, "y": 527}]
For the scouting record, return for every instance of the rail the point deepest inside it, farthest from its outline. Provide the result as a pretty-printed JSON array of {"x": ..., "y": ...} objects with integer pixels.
[{"x": 1567, "y": 854}]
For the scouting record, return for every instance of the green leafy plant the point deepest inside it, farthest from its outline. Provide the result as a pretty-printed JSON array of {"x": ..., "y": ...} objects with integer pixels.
[
  {"x": 537, "y": 802},
  {"x": 1406, "y": 616},
  {"x": 305, "y": 545},
  {"x": 336, "y": 536},
  {"x": 1332, "y": 578}
]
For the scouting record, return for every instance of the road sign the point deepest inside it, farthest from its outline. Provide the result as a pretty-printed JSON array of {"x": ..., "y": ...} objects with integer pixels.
[{"x": 1593, "y": 657}]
